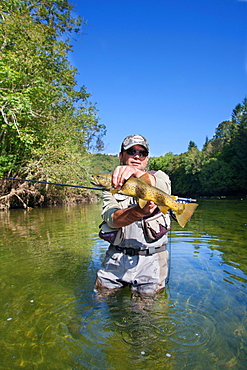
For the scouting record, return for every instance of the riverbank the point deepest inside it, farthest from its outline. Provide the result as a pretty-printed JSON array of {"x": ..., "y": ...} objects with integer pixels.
[{"x": 26, "y": 196}]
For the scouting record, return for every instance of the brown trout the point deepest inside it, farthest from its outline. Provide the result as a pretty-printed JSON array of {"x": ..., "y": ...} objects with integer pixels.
[{"x": 143, "y": 191}]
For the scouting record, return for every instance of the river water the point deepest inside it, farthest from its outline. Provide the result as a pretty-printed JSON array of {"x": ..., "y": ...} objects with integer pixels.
[{"x": 50, "y": 317}]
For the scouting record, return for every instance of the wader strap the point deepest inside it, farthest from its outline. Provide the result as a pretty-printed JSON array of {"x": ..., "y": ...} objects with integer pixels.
[{"x": 142, "y": 252}]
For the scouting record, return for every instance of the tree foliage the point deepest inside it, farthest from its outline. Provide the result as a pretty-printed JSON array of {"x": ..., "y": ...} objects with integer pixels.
[
  {"x": 47, "y": 123},
  {"x": 220, "y": 168}
]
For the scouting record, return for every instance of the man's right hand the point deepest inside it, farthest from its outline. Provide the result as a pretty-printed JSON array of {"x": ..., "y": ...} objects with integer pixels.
[{"x": 148, "y": 209}]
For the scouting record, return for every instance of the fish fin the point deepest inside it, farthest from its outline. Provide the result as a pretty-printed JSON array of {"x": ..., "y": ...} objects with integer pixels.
[
  {"x": 113, "y": 191},
  {"x": 186, "y": 214},
  {"x": 145, "y": 177},
  {"x": 142, "y": 203},
  {"x": 163, "y": 209}
]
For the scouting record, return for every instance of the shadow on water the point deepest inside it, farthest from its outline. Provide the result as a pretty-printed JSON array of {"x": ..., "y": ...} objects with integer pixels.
[{"x": 51, "y": 318}]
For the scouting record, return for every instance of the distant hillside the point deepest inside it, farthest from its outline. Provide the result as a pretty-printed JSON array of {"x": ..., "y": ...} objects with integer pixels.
[{"x": 104, "y": 163}]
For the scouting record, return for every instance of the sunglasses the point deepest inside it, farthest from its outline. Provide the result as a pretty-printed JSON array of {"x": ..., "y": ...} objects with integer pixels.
[{"x": 142, "y": 153}]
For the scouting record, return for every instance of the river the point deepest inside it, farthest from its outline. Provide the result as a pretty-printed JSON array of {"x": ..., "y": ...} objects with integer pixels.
[{"x": 51, "y": 318}]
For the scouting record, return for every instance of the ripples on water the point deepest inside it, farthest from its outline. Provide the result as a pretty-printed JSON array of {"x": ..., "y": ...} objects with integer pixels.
[{"x": 52, "y": 319}]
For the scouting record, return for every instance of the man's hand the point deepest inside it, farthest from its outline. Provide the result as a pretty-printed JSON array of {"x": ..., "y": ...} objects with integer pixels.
[
  {"x": 123, "y": 173},
  {"x": 148, "y": 209}
]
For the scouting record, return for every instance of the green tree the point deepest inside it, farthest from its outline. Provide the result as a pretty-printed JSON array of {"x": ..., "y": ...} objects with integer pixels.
[
  {"x": 160, "y": 163},
  {"x": 192, "y": 146},
  {"x": 216, "y": 178},
  {"x": 238, "y": 160},
  {"x": 224, "y": 131},
  {"x": 45, "y": 120}
]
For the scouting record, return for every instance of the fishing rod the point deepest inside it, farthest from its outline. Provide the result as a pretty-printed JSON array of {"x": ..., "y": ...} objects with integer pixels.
[
  {"x": 181, "y": 200},
  {"x": 51, "y": 183},
  {"x": 186, "y": 200}
]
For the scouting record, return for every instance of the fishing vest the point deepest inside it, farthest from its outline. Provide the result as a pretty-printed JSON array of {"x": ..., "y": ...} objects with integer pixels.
[{"x": 150, "y": 231}]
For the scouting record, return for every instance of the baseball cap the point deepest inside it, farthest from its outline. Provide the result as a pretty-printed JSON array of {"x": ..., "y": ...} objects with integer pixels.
[{"x": 132, "y": 140}]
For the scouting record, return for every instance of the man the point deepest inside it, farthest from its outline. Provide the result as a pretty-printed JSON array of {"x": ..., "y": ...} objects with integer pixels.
[{"x": 137, "y": 256}]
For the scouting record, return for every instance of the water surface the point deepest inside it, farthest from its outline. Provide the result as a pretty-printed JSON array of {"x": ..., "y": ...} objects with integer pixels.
[{"x": 50, "y": 317}]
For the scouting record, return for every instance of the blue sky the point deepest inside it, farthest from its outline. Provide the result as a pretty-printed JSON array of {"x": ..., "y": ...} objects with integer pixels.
[{"x": 171, "y": 70}]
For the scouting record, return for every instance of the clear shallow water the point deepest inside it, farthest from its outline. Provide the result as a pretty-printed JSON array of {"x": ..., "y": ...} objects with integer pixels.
[{"x": 50, "y": 317}]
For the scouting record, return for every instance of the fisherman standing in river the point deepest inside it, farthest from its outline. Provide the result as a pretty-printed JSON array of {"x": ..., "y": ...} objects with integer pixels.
[{"x": 137, "y": 255}]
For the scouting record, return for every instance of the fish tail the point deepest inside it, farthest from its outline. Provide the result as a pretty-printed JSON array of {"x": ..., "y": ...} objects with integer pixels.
[{"x": 184, "y": 216}]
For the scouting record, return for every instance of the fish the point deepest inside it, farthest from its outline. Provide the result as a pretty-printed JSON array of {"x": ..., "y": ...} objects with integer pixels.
[{"x": 141, "y": 189}]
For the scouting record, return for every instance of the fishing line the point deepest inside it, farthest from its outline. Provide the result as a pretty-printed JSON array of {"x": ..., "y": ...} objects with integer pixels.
[{"x": 169, "y": 244}]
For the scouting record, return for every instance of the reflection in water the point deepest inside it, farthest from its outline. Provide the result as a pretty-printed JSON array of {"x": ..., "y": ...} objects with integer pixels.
[{"x": 51, "y": 318}]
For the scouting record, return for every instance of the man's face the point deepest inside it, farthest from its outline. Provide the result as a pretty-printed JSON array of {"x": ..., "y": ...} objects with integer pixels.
[{"x": 134, "y": 159}]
